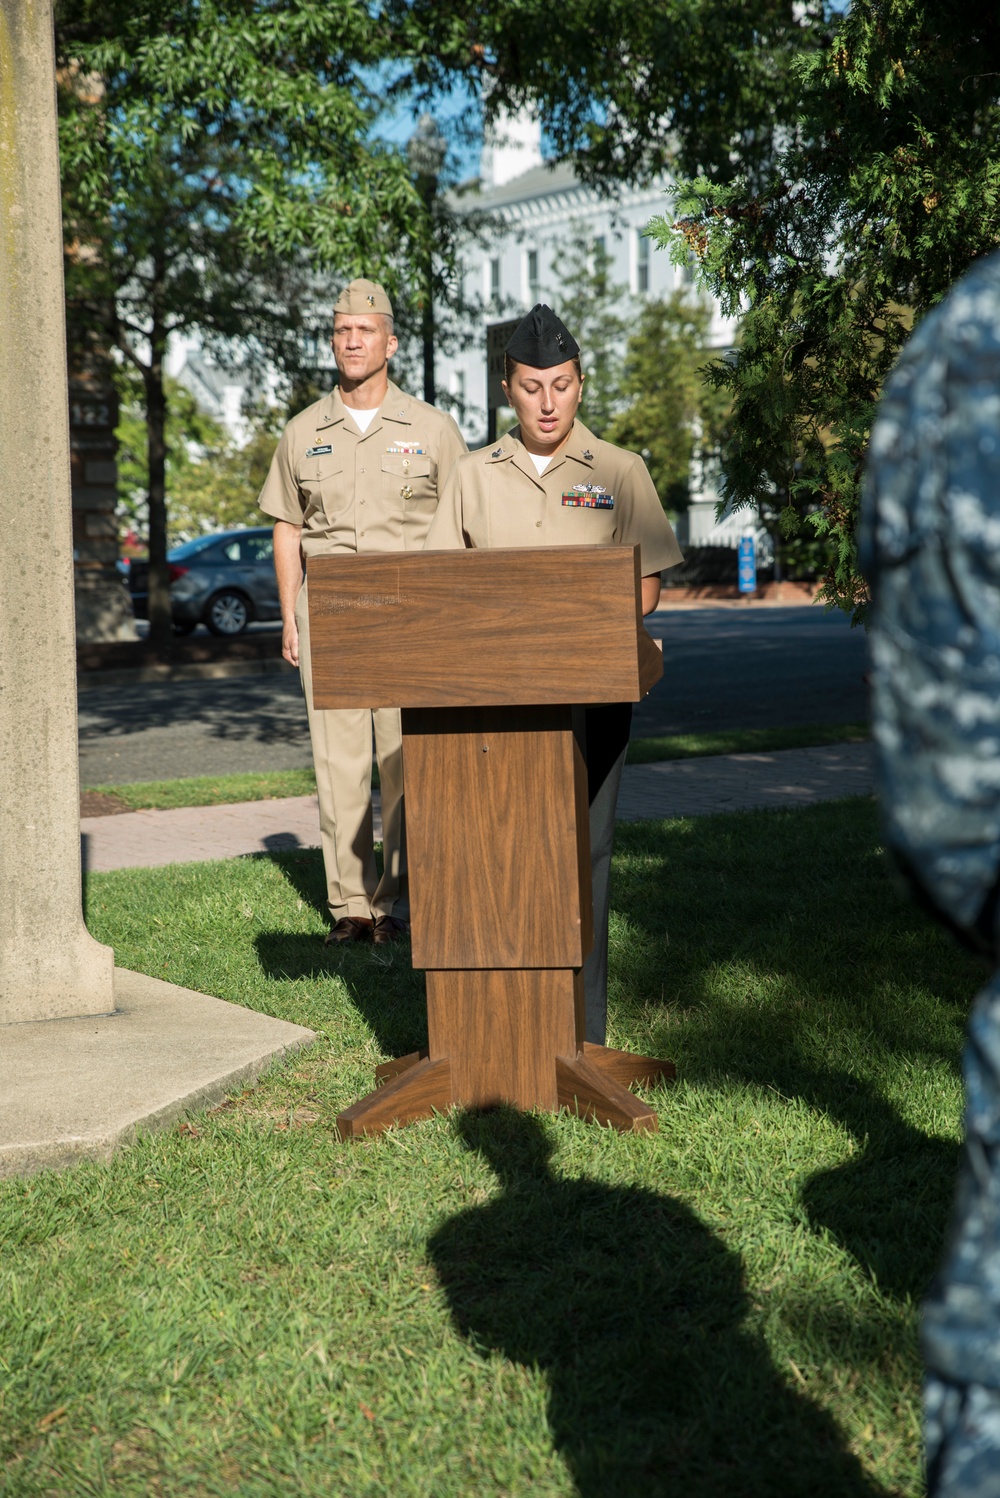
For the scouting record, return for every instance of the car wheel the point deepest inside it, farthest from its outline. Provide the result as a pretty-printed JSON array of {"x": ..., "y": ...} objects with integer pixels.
[
  {"x": 228, "y": 613},
  {"x": 185, "y": 626}
]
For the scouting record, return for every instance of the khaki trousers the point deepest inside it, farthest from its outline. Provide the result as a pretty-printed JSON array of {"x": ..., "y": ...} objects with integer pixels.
[{"x": 342, "y": 755}]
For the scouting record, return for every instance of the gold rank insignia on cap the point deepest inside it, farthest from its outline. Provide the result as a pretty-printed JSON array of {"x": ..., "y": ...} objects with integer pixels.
[{"x": 363, "y": 296}]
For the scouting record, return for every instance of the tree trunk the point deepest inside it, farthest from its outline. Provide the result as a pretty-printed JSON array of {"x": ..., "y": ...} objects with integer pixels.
[
  {"x": 427, "y": 335},
  {"x": 428, "y": 190},
  {"x": 161, "y": 629}
]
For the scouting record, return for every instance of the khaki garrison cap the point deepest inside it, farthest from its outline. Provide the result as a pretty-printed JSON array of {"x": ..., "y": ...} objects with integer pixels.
[{"x": 363, "y": 296}]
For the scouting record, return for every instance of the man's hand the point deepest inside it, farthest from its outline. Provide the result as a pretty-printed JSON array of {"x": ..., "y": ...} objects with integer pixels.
[{"x": 288, "y": 571}]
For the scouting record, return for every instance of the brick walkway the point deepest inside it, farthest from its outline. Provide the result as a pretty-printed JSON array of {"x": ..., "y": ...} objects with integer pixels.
[{"x": 677, "y": 788}]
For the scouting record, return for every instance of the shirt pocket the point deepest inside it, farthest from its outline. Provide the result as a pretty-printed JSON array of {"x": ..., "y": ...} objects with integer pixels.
[
  {"x": 580, "y": 526},
  {"x": 408, "y": 482},
  {"x": 321, "y": 482}
]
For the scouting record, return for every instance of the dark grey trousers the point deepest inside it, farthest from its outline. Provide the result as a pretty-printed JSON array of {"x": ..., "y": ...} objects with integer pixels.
[{"x": 607, "y": 731}]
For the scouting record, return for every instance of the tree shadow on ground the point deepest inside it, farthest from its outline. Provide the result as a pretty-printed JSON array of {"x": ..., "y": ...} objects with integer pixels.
[
  {"x": 774, "y": 951},
  {"x": 380, "y": 981},
  {"x": 634, "y": 1310},
  {"x": 262, "y": 710}
]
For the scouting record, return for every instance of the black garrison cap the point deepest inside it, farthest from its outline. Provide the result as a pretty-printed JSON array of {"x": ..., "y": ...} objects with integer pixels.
[{"x": 541, "y": 340}]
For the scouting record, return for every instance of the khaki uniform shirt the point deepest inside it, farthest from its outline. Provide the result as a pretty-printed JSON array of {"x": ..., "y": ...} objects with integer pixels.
[
  {"x": 591, "y": 494},
  {"x": 354, "y": 491}
]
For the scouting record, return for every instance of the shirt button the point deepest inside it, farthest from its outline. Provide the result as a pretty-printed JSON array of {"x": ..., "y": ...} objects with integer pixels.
[
  {"x": 364, "y": 470},
  {"x": 364, "y": 501},
  {"x": 538, "y": 525}
]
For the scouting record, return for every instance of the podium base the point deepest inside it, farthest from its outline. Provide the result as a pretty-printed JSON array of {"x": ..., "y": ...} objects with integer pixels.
[{"x": 593, "y": 1083}]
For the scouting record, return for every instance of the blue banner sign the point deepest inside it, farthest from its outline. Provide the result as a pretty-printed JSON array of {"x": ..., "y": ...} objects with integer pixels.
[{"x": 747, "y": 565}]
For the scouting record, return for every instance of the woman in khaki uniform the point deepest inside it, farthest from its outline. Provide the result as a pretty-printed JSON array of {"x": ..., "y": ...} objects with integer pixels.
[{"x": 551, "y": 482}]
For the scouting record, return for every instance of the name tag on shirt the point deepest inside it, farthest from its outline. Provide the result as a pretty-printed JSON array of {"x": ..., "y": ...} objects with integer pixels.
[
  {"x": 589, "y": 497},
  {"x": 319, "y": 452}
]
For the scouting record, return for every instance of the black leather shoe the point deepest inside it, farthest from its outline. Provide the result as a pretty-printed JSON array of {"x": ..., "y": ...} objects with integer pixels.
[
  {"x": 350, "y": 928},
  {"x": 390, "y": 928}
]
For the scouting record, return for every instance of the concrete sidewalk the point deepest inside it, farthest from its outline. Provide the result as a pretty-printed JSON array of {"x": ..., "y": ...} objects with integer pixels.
[{"x": 675, "y": 788}]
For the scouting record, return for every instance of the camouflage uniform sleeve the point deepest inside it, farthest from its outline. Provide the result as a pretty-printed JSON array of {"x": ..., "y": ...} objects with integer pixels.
[{"x": 930, "y": 548}]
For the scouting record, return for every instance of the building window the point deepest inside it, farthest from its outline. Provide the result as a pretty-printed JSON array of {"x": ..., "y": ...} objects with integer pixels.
[
  {"x": 688, "y": 272},
  {"x": 533, "y": 285},
  {"x": 495, "y": 279},
  {"x": 599, "y": 249},
  {"x": 458, "y": 390},
  {"x": 641, "y": 263}
]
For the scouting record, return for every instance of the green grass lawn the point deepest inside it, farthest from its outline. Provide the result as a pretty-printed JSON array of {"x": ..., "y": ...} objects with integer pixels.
[
  {"x": 744, "y": 741},
  {"x": 511, "y": 1304},
  {"x": 215, "y": 790}
]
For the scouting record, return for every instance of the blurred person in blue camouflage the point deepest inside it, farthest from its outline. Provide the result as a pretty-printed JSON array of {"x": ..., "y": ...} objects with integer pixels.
[{"x": 930, "y": 549}]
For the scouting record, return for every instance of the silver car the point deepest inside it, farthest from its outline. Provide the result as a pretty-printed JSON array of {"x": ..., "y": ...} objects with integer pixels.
[{"x": 223, "y": 581}]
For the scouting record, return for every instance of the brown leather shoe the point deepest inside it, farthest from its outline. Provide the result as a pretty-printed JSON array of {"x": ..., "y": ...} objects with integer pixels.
[
  {"x": 350, "y": 928},
  {"x": 390, "y": 928}
]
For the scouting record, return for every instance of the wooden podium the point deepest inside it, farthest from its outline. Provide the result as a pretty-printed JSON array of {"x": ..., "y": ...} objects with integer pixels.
[{"x": 491, "y": 655}]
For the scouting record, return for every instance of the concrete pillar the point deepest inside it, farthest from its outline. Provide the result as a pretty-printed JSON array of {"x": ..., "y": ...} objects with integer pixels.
[{"x": 50, "y": 966}]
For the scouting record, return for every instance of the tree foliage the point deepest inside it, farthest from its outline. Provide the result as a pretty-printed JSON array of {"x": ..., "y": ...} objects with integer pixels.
[
  {"x": 838, "y": 170},
  {"x": 628, "y": 90},
  {"x": 593, "y": 306},
  {"x": 212, "y": 482},
  {"x": 217, "y": 156},
  {"x": 668, "y": 411},
  {"x": 886, "y": 191}
]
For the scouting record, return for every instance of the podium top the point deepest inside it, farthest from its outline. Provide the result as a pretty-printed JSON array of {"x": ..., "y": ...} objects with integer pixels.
[{"x": 560, "y": 624}]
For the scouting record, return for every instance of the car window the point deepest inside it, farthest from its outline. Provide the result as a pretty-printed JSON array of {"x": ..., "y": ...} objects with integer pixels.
[
  {"x": 223, "y": 554},
  {"x": 258, "y": 548},
  {"x": 189, "y": 549}
]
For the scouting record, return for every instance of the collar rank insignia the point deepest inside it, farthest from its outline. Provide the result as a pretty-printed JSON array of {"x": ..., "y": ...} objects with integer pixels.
[
  {"x": 319, "y": 452},
  {"x": 407, "y": 448},
  {"x": 497, "y": 452},
  {"x": 587, "y": 455},
  {"x": 589, "y": 497}
]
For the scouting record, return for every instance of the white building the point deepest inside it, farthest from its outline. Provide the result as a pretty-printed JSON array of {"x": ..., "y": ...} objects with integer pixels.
[{"x": 538, "y": 207}]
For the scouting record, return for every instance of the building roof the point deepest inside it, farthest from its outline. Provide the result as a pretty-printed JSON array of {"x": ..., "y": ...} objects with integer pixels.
[
  {"x": 538, "y": 191},
  {"x": 538, "y": 182}
]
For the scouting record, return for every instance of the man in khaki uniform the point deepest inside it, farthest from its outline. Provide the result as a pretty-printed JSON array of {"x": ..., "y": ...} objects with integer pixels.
[
  {"x": 551, "y": 482},
  {"x": 359, "y": 470}
]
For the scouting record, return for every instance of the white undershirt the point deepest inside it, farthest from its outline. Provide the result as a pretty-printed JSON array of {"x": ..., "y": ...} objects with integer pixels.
[
  {"x": 540, "y": 462},
  {"x": 364, "y": 418}
]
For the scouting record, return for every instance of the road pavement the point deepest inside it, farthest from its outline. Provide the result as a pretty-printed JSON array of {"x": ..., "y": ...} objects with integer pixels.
[
  {"x": 724, "y": 669},
  {"x": 754, "y": 668}
]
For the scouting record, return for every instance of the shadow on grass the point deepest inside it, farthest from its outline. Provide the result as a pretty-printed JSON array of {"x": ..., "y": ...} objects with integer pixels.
[
  {"x": 774, "y": 951},
  {"x": 634, "y": 1311},
  {"x": 380, "y": 981}
]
